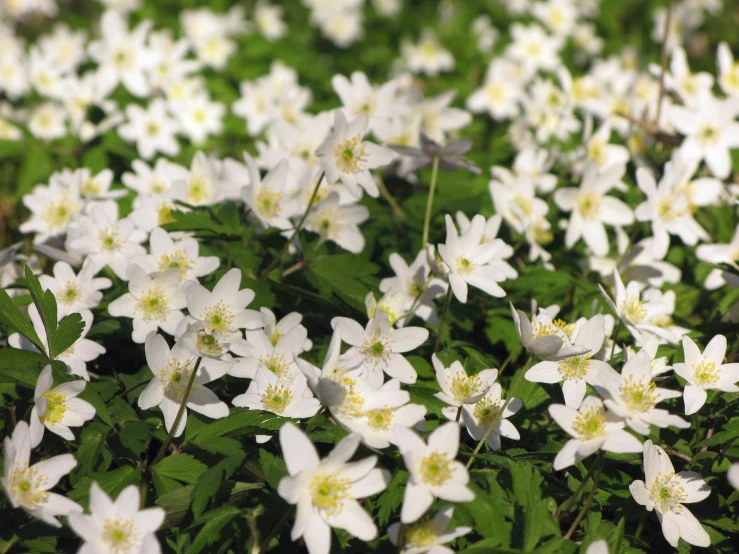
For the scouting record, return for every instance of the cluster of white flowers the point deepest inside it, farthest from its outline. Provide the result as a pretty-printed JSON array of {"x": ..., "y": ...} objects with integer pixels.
[{"x": 310, "y": 172}]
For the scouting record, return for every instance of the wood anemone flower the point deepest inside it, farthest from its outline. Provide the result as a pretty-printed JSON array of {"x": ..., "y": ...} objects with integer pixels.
[{"x": 450, "y": 154}]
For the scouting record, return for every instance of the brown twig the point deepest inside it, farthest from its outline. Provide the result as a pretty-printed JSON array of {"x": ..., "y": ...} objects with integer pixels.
[{"x": 666, "y": 138}]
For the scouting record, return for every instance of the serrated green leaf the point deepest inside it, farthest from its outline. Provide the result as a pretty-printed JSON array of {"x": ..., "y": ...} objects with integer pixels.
[
  {"x": 181, "y": 467},
  {"x": 112, "y": 482},
  {"x": 240, "y": 422},
  {"x": 215, "y": 520},
  {"x": 207, "y": 485},
  {"x": 66, "y": 334},
  {"x": 135, "y": 436},
  {"x": 14, "y": 318},
  {"x": 23, "y": 366},
  {"x": 92, "y": 443}
]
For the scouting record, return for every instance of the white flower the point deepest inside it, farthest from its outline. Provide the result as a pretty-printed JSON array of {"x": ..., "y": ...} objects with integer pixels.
[
  {"x": 705, "y": 371},
  {"x": 533, "y": 48},
  {"x": 428, "y": 56},
  {"x": 477, "y": 417},
  {"x": 634, "y": 398},
  {"x": 124, "y": 54},
  {"x": 48, "y": 121},
  {"x": 382, "y": 410},
  {"x": 285, "y": 398},
  {"x": 153, "y": 302},
  {"x": 434, "y": 472},
  {"x": 710, "y": 132},
  {"x": 598, "y": 547},
  {"x": 269, "y": 20},
  {"x": 58, "y": 409},
  {"x": 223, "y": 310},
  {"x": 416, "y": 284},
  {"x": 183, "y": 255},
  {"x": 503, "y": 251},
  {"x": 152, "y": 129},
  {"x": 275, "y": 330},
  {"x": 380, "y": 104},
  {"x": 277, "y": 358},
  {"x": 338, "y": 222},
  {"x": 728, "y": 77},
  {"x": 720, "y": 254},
  {"x": 379, "y": 347},
  {"x": 469, "y": 259},
  {"x": 514, "y": 197},
  {"x": 733, "y": 475},
  {"x": 199, "y": 117},
  {"x": 390, "y": 303},
  {"x": 172, "y": 371},
  {"x": 117, "y": 527},
  {"x": 27, "y": 487},
  {"x": 667, "y": 491},
  {"x": 53, "y": 208},
  {"x": 325, "y": 491},
  {"x": 634, "y": 310},
  {"x": 269, "y": 198},
  {"x": 542, "y": 337},
  {"x": 458, "y": 388},
  {"x": 500, "y": 93},
  {"x": 347, "y": 157},
  {"x": 429, "y": 534},
  {"x": 578, "y": 371},
  {"x": 74, "y": 293},
  {"x": 107, "y": 240},
  {"x": 147, "y": 180},
  {"x": 592, "y": 429},
  {"x": 76, "y": 356},
  {"x": 591, "y": 208}
]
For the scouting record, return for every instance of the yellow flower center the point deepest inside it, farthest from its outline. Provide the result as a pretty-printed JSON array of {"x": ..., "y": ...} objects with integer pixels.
[
  {"x": 591, "y": 423},
  {"x": 391, "y": 316},
  {"x": 328, "y": 492},
  {"x": 350, "y": 155},
  {"x": 705, "y": 373},
  {"x": 177, "y": 259},
  {"x": 667, "y": 493},
  {"x": 465, "y": 266},
  {"x": 268, "y": 202},
  {"x": 70, "y": 293},
  {"x": 277, "y": 398},
  {"x": 525, "y": 206},
  {"x": 436, "y": 468},
  {"x": 353, "y": 404},
  {"x": 421, "y": 534},
  {"x": 120, "y": 535},
  {"x": 540, "y": 232},
  {"x": 575, "y": 367},
  {"x": 487, "y": 410},
  {"x": 164, "y": 214},
  {"x": 218, "y": 319},
  {"x": 275, "y": 337},
  {"x": 588, "y": 204},
  {"x": 633, "y": 309},
  {"x": 639, "y": 395},
  {"x": 463, "y": 386},
  {"x": 60, "y": 212},
  {"x": 277, "y": 364},
  {"x": 152, "y": 129},
  {"x": 496, "y": 92},
  {"x": 91, "y": 188},
  {"x": 24, "y": 484},
  {"x": 380, "y": 419},
  {"x": 56, "y": 407},
  {"x": 110, "y": 240},
  {"x": 597, "y": 151},
  {"x": 198, "y": 190},
  {"x": 175, "y": 378},
  {"x": 153, "y": 305}
]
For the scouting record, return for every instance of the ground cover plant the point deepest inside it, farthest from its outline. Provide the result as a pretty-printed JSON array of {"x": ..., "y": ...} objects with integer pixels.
[{"x": 369, "y": 276}]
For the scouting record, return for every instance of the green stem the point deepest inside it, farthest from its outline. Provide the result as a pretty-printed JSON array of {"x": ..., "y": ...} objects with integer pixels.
[
  {"x": 564, "y": 508},
  {"x": 498, "y": 415},
  {"x": 14, "y": 539},
  {"x": 281, "y": 253},
  {"x": 642, "y": 519},
  {"x": 505, "y": 364},
  {"x": 125, "y": 392},
  {"x": 401, "y": 538},
  {"x": 447, "y": 300},
  {"x": 415, "y": 302},
  {"x": 459, "y": 414},
  {"x": 589, "y": 499},
  {"x": 397, "y": 210},
  {"x": 273, "y": 532},
  {"x": 430, "y": 200},
  {"x": 178, "y": 417},
  {"x": 615, "y": 337}
]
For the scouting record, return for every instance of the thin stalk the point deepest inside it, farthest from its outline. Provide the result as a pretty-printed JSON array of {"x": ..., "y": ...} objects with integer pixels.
[
  {"x": 415, "y": 302},
  {"x": 447, "y": 300},
  {"x": 125, "y": 392},
  {"x": 497, "y": 416},
  {"x": 14, "y": 539},
  {"x": 589, "y": 499},
  {"x": 564, "y": 508},
  {"x": 663, "y": 55},
  {"x": 505, "y": 364},
  {"x": 281, "y": 253},
  {"x": 397, "y": 210},
  {"x": 401, "y": 538},
  {"x": 642, "y": 519},
  {"x": 430, "y": 200},
  {"x": 275, "y": 530},
  {"x": 459, "y": 414},
  {"x": 615, "y": 337},
  {"x": 178, "y": 417}
]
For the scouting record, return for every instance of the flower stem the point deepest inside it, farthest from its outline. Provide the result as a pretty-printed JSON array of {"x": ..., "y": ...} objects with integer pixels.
[
  {"x": 125, "y": 392},
  {"x": 8, "y": 545},
  {"x": 447, "y": 300},
  {"x": 401, "y": 537},
  {"x": 312, "y": 421},
  {"x": 459, "y": 414},
  {"x": 589, "y": 499},
  {"x": 642, "y": 519},
  {"x": 178, "y": 417},
  {"x": 397, "y": 210},
  {"x": 498, "y": 415},
  {"x": 430, "y": 201},
  {"x": 564, "y": 508},
  {"x": 615, "y": 337},
  {"x": 281, "y": 253}
]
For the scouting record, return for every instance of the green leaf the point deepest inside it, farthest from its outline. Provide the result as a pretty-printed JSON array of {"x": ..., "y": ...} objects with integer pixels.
[
  {"x": 216, "y": 520},
  {"x": 112, "y": 482},
  {"x": 348, "y": 276},
  {"x": 136, "y": 436},
  {"x": 718, "y": 438},
  {"x": 91, "y": 396},
  {"x": 69, "y": 330},
  {"x": 14, "y": 318},
  {"x": 92, "y": 443},
  {"x": 273, "y": 467},
  {"x": 36, "y": 167},
  {"x": 23, "y": 366},
  {"x": 207, "y": 485},
  {"x": 205, "y": 223},
  {"x": 181, "y": 467},
  {"x": 240, "y": 422}
]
